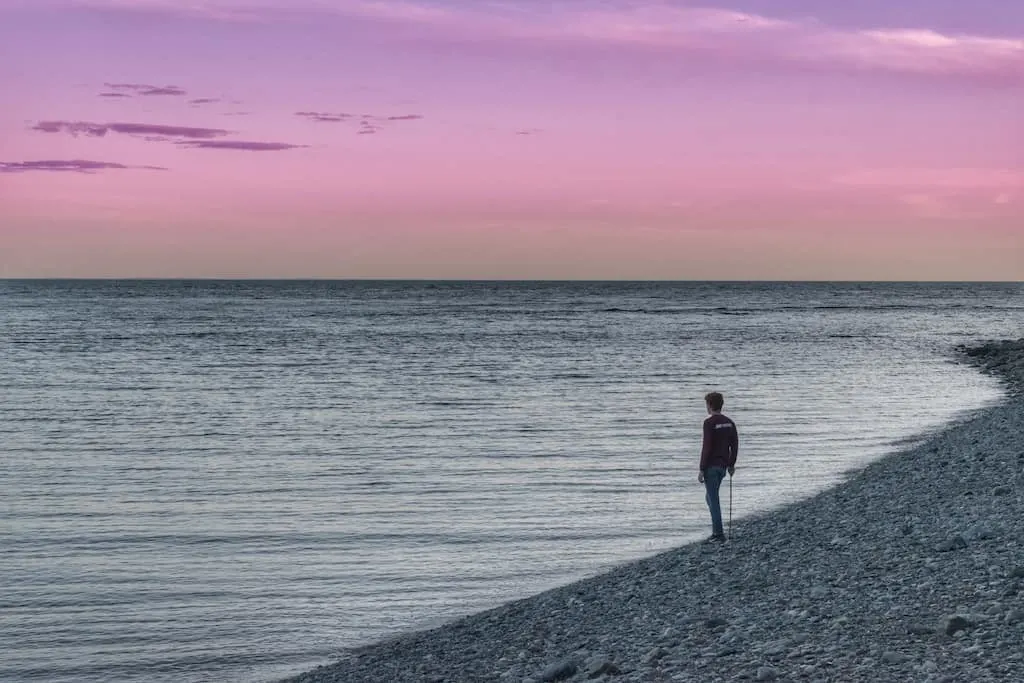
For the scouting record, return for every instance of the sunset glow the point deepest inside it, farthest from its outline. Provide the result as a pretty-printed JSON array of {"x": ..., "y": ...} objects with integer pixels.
[{"x": 748, "y": 139}]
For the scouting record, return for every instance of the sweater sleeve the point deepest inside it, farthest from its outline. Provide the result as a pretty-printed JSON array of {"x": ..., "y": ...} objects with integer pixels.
[
  {"x": 734, "y": 445},
  {"x": 705, "y": 449}
]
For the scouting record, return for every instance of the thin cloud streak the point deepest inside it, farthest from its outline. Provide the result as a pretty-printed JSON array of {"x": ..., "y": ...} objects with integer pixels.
[
  {"x": 368, "y": 124},
  {"x": 146, "y": 90},
  {"x": 76, "y": 128},
  {"x": 69, "y": 166},
  {"x": 241, "y": 145},
  {"x": 324, "y": 117},
  {"x": 725, "y": 34}
]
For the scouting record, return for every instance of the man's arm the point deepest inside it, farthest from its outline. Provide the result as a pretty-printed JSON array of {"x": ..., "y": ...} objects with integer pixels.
[
  {"x": 705, "y": 448},
  {"x": 734, "y": 447}
]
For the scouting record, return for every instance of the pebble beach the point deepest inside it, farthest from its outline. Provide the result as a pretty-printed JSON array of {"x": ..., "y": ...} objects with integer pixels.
[{"x": 911, "y": 570}]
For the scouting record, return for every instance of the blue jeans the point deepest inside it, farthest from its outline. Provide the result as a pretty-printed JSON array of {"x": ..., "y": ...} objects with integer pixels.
[{"x": 712, "y": 480}]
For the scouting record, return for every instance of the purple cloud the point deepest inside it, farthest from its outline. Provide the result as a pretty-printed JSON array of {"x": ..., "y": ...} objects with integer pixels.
[
  {"x": 169, "y": 131},
  {"x": 186, "y": 136},
  {"x": 673, "y": 28},
  {"x": 113, "y": 94},
  {"x": 146, "y": 90},
  {"x": 241, "y": 145},
  {"x": 324, "y": 117},
  {"x": 204, "y": 100},
  {"x": 529, "y": 131},
  {"x": 70, "y": 166},
  {"x": 76, "y": 128},
  {"x": 368, "y": 123}
]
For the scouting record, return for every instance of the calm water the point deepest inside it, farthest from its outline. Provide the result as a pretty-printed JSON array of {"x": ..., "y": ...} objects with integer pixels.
[{"x": 233, "y": 480}]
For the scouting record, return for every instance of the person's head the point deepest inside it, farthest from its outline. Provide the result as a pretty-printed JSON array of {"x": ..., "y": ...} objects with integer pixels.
[{"x": 714, "y": 401}]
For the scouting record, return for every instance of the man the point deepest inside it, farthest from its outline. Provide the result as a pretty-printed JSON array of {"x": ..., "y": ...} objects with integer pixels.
[{"x": 717, "y": 456}]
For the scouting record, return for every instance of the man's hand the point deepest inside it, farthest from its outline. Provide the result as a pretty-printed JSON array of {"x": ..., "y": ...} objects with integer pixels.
[
  {"x": 732, "y": 470},
  {"x": 700, "y": 478}
]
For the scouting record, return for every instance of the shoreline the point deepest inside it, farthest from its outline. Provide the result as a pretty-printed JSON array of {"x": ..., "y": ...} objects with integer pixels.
[{"x": 912, "y": 569}]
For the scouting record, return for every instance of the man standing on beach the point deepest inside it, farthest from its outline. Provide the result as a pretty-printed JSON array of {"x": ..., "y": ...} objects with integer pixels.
[{"x": 717, "y": 456}]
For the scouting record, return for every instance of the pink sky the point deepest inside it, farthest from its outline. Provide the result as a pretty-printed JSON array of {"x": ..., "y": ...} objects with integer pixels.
[{"x": 751, "y": 139}]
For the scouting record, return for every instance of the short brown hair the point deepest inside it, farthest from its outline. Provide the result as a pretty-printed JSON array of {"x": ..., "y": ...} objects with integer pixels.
[{"x": 715, "y": 400}]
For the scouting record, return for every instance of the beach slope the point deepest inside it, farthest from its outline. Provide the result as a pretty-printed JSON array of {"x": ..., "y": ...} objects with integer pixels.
[{"x": 912, "y": 570}]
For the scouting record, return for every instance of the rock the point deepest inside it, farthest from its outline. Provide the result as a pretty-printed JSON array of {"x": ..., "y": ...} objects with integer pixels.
[
  {"x": 928, "y": 667},
  {"x": 1015, "y": 616},
  {"x": 599, "y": 665},
  {"x": 558, "y": 671},
  {"x": 1002, "y": 491},
  {"x": 956, "y": 543},
  {"x": 895, "y": 657},
  {"x": 670, "y": 633},
  {"x": 766, "y": 673},
  {"x": 818, "y": 592},
  {"x": 956, "y": 623},
  {"x": 715, "y": 622},
  {"x": 654, "y": 655},
  {"x": 1017, "y": 572},
  {"x": 977, "y": 533}
]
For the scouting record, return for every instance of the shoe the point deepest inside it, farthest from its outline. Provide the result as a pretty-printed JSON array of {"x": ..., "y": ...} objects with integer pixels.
[{"x": 715, "y": 538}]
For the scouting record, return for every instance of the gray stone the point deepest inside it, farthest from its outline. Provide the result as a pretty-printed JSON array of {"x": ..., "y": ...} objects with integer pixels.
[
  {"x": 895, "y": 657},
  {"x": 1015, "y": 616},
  {"x": 953, "y": 624},
  {"x": 715, "y": 622},
  {"x": 1017, "y": 572},
  {"x": 977, "y": 533},
  {"x": 767, "y": 673},
  {"x": 600, "y": 665},
  {"x": 1002, "y": 491},
  {"x": 670, "y": 633},
  {"x": 956, "y": 543},
  {"x": 558, "y": 671},
  {"x": 654, "y": 655}
]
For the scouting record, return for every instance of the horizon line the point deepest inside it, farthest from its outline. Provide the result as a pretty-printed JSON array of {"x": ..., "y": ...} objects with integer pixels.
[{"x": 490, "y": 280}]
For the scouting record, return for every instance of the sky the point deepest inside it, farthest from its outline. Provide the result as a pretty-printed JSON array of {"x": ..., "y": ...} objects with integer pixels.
[{"x": 554, "y": 139}]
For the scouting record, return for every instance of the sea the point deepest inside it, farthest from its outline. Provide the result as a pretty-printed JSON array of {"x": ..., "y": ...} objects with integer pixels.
[{"x": 234, "y": 481}]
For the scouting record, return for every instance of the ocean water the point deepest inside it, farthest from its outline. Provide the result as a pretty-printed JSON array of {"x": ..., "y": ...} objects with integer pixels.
[{"x": 231, "y": 481}]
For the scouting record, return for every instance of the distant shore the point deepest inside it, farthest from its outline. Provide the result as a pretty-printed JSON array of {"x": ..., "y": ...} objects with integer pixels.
[{"x": 912, "y": 570}]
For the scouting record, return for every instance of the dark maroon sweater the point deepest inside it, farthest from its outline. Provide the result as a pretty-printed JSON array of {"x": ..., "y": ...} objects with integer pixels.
[{"x": 721, "y": 443}]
